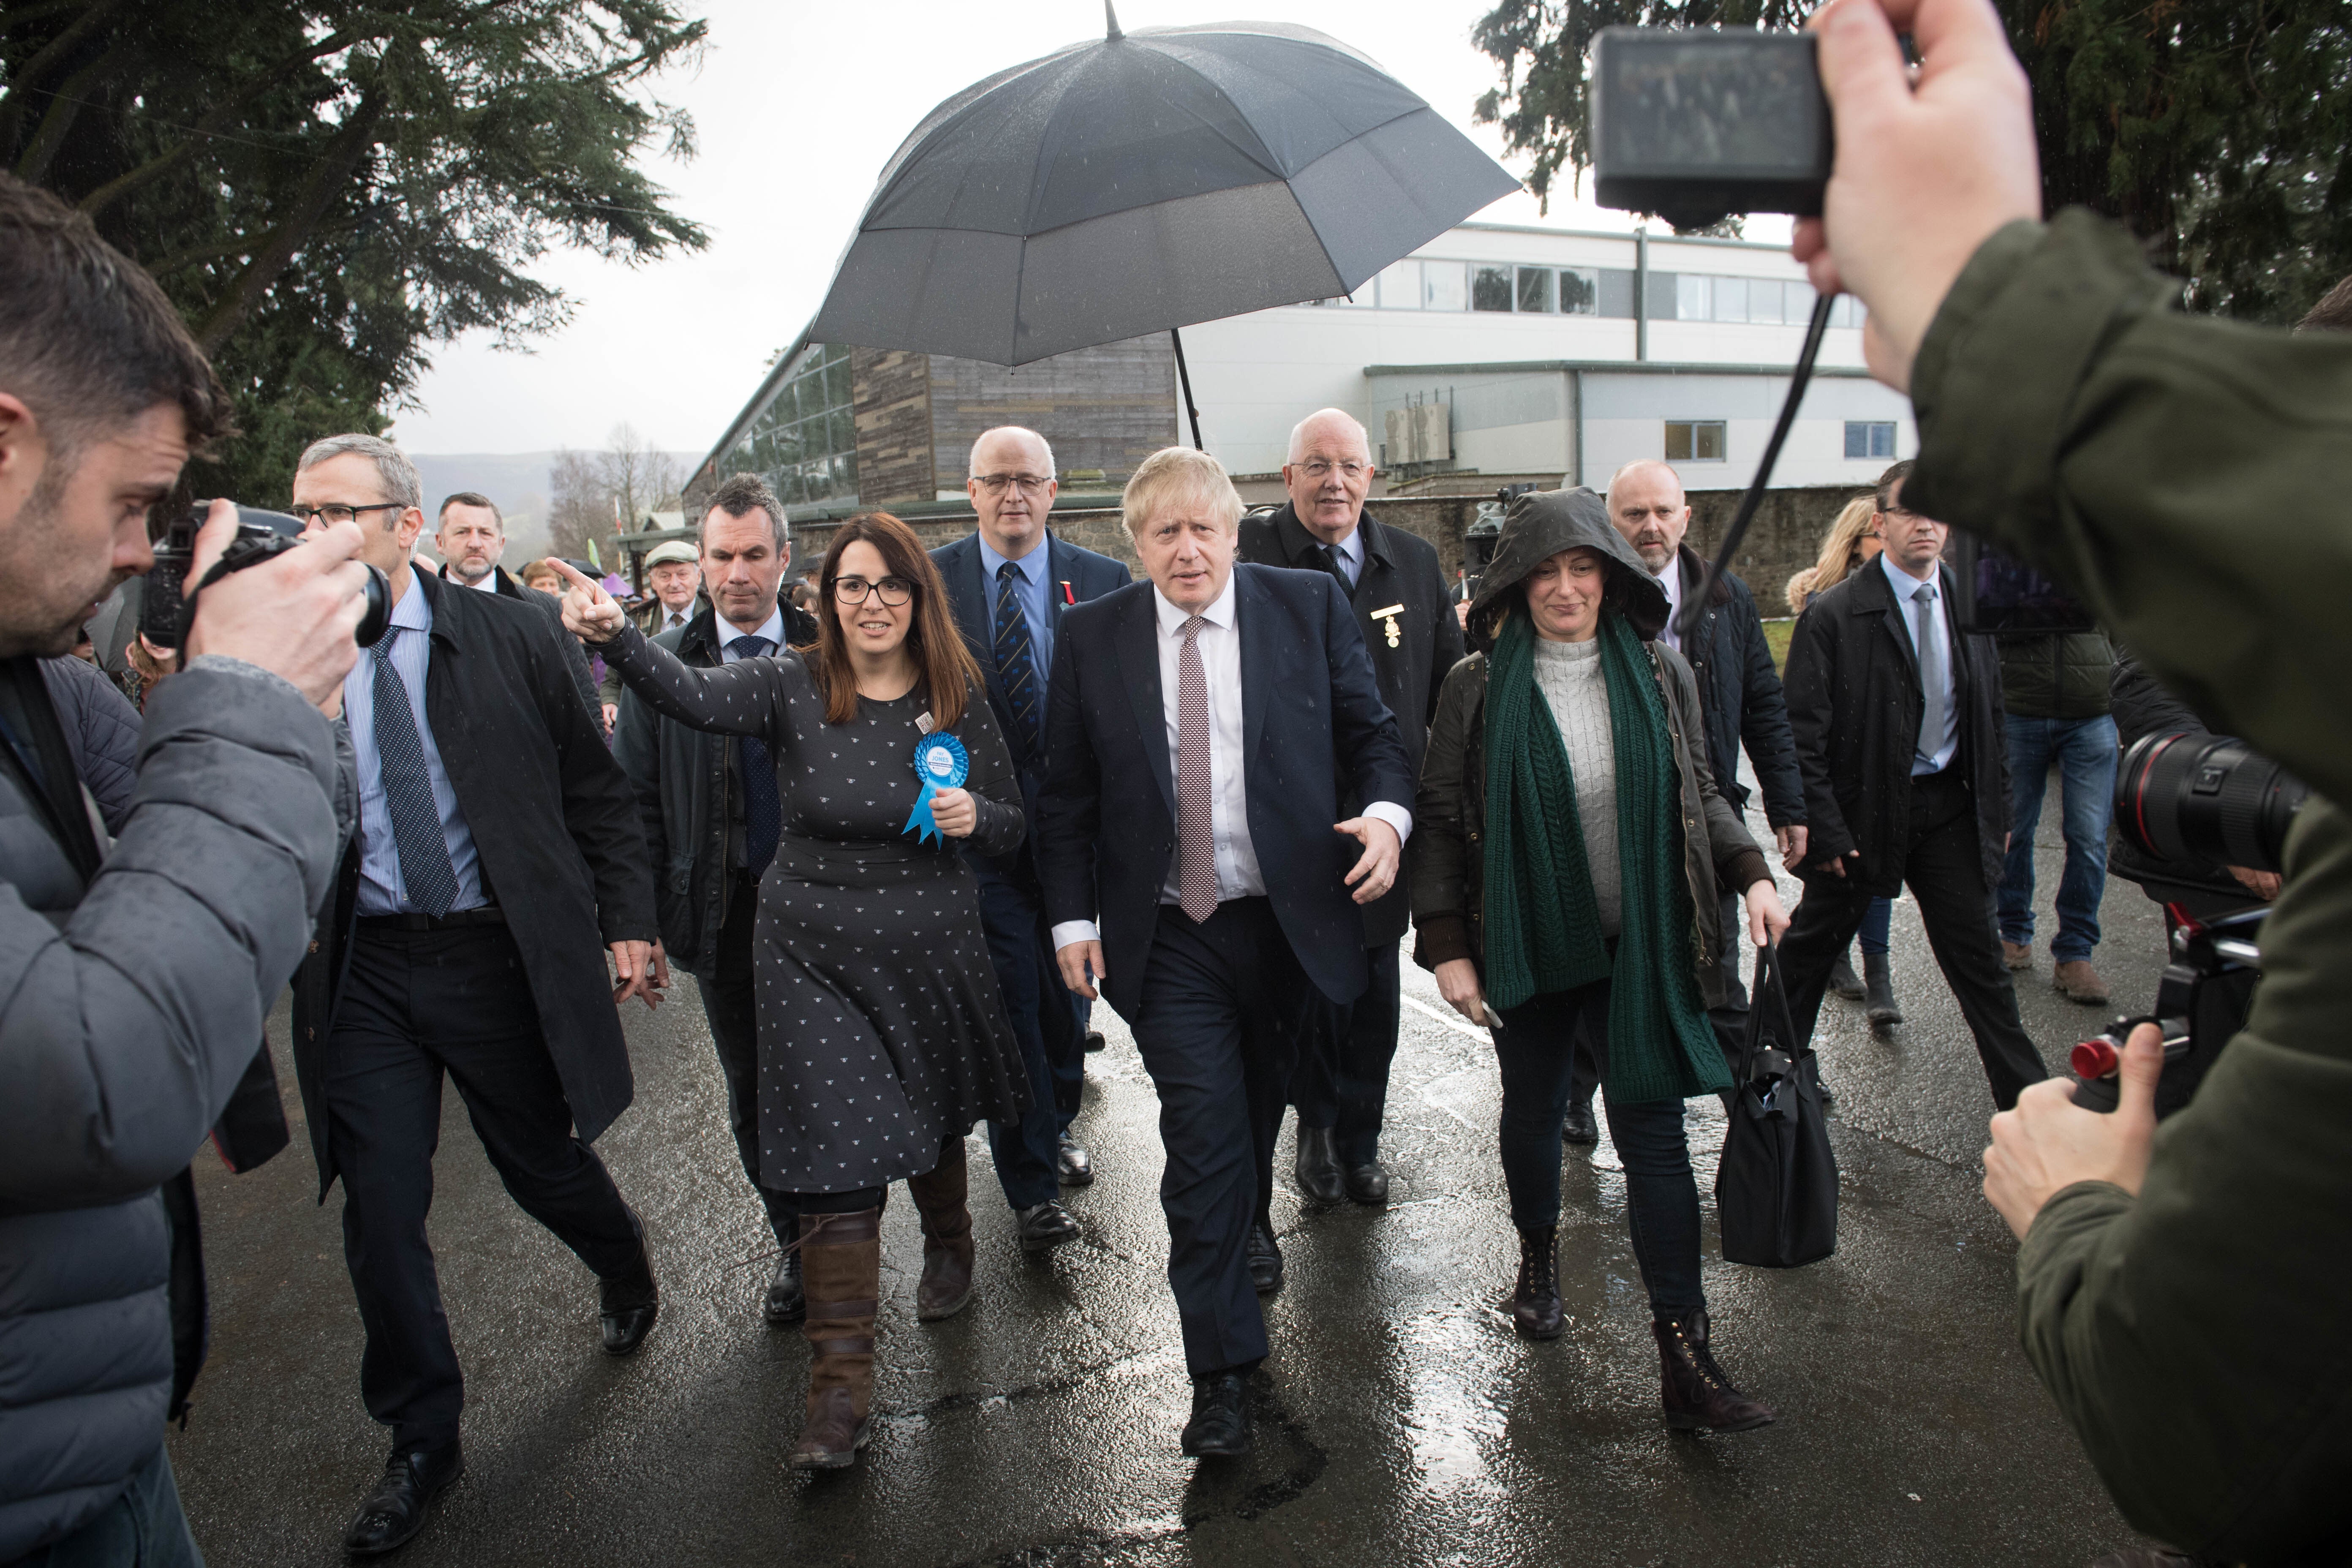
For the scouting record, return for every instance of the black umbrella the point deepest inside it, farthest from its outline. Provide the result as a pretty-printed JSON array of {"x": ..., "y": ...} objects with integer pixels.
[{"x": 1142, "y": 183}]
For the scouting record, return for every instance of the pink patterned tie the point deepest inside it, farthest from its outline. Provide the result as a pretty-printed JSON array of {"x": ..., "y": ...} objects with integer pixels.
[{"x": 1196, "y": 845}]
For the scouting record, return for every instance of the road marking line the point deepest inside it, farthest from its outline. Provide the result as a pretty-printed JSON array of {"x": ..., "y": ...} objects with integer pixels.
[{"x": 1450, "y": 1020}]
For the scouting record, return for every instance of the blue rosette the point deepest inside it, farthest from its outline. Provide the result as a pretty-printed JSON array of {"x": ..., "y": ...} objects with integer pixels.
[{"x": 940, "y": 762}]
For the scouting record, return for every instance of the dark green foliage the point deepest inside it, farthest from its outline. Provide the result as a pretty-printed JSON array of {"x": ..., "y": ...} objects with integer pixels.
[
  {"x": 2220, "y": 131},
  {"x": 326, "y": 189}
]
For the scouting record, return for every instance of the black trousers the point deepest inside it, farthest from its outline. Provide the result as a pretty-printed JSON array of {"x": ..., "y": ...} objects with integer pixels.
[
  {"x": 1221, "y": 1008},
  {"x": 416, "y": 1004},
  {"x": 727, "y": 1001},
  {"x": 1943, "y": 867},
  {"x": 1052, "y": 1051},
  {"x": 1344, "y": 1051}
]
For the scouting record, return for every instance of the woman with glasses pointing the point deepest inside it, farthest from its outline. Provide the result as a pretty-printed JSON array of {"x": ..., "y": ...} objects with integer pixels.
[{"x": 882, "y": 1032}]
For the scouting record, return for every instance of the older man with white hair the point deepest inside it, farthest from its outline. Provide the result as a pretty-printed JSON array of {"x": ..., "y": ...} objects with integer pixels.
[
  {"x": 1395, "y": 590},
  {"x": 1202, "y": 731}
]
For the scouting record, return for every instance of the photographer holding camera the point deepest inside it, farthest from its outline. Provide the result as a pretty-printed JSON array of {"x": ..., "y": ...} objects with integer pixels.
[
  {"x": 2182, "y": 1293},
  {"x": 135, "y": 976}
]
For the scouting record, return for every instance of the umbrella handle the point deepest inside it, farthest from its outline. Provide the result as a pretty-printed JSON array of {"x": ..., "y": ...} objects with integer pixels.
[{"x": 1184, "y": 377}]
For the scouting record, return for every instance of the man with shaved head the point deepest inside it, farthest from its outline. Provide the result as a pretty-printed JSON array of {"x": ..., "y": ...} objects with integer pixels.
[
  {"x": 1394, "y": 585},
  {"x": 1009, "y": 585},
  {"x": 1739, "y": 696}
]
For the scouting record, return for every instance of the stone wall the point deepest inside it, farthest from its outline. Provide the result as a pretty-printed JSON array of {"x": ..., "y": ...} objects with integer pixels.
[
  {"x": 891, "y": 393},
  {"x": 1103, "y": 409},
  {"x": 1785, "y": 537}
]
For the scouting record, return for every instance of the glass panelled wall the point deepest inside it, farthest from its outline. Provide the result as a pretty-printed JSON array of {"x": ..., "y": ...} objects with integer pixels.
[{"x": 805, "y": 442}]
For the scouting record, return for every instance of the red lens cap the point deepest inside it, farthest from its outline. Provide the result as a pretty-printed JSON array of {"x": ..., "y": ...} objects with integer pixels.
[{"x": 2094, "y": 1059}]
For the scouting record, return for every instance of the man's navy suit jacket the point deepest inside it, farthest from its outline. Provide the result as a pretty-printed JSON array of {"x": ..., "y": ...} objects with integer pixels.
[
  {"x": 972, "y": 598},
  {"x": 1311, "y": 717}
]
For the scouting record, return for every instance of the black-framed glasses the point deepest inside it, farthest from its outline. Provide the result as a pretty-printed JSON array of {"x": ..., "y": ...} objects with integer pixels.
[
  {"x": 1031, "y": 484},
  {"x": 892, "y": 591},
  {"x": 336, "y": 516}
]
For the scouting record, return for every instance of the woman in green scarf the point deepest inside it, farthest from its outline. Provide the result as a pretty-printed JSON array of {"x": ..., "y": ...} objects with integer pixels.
[{"x": 1568, "y": 848}]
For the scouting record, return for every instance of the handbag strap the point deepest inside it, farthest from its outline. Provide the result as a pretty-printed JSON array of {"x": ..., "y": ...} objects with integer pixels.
[{"x": 1772, "y": 992}]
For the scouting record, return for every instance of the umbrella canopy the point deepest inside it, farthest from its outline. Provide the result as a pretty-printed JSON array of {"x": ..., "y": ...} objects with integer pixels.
[{"x": 1147, "y": 181}]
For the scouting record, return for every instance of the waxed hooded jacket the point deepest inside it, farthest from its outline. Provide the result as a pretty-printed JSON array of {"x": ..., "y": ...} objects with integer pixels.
[{"x": 1447, "y": 848}]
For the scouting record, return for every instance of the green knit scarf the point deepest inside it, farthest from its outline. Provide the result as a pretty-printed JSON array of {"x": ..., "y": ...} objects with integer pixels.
[{"x": 1543, "y": 923}]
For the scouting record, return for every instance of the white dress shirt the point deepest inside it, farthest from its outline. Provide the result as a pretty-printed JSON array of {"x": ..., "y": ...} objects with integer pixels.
[
  {"x": 1926, "y": 759},
  {"x": 1220, "y": 645},
  {"x": 1351, "y": 554},
  {"x": 1671, "y": 580},
  {"x": 773, "y": 628},
  {"x": 670, "y": 620},
  {"x": 489, "y": 584}
]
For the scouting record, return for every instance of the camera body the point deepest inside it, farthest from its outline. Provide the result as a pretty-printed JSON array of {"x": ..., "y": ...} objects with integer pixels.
[
  {"x": 2200, "y": 1004},
  {"x": 1697, "y": 125},
  {"x": 164, "y": 608}
]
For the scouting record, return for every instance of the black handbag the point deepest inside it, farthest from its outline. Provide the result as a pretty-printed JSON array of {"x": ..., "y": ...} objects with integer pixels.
[{"x": 1775, "y": 1190}]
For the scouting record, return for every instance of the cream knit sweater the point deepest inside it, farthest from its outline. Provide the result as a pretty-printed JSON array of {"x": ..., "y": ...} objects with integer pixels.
[{"x": 1569, "y": 676}]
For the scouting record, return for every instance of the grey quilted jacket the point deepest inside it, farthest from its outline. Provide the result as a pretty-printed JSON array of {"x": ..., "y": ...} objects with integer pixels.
[{"x": 128, "y": 1009}]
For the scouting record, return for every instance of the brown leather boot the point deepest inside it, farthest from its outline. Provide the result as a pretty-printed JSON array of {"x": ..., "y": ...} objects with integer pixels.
[
  {"x": 940, "y": 1198},
  {"x": 841, "y": 1268},
  {"x": 1536, "y": 1310},
  {"x": 1698, "y": 1395}
]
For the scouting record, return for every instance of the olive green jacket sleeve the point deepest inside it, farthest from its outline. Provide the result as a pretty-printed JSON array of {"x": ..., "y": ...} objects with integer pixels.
[{"x": 2186, "y": 476}]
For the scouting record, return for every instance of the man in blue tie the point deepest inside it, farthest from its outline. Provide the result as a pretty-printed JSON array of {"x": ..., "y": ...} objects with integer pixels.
[
  {"x": 1010, "y": 583},
  {"x": 497, "y": 857},
  {"x": 711, "y": 800},
  {"x": 1896, "y": 716}
]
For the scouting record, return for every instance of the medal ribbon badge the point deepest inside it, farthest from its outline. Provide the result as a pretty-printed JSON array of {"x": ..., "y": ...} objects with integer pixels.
[{"x": 940, "y": 762}]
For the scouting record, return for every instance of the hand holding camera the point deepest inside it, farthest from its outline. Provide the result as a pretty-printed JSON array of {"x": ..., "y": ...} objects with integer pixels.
[{"x": 294, "y": 613}]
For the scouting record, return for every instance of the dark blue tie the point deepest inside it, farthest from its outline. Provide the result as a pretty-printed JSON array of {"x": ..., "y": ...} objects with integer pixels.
[
  {"x": 425, "y": 868},
  {"x": 763, "y": 815},
  {"x": 1016, "y": 661}
]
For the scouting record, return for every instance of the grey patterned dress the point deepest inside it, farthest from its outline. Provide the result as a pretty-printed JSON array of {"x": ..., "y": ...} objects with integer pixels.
[{"x": 882, "y": 1032}]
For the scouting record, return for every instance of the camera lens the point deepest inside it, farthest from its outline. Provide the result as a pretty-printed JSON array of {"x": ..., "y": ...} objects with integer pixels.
[{"x": 2207, "y": 798}]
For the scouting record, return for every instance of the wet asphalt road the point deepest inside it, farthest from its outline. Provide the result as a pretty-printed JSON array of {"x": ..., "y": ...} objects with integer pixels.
[{"x": 1400, "y": 1420}]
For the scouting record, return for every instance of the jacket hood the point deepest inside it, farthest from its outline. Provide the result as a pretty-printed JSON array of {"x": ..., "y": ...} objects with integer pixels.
[{"x": 1538, "y": 525}]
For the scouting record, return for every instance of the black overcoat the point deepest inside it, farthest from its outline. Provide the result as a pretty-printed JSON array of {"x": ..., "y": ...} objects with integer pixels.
[
  {"x": 1853, "y": 687},
  {"x": 1311, "y": 715},
  {"x": 1400, "y": 593},
  {"x": 556, "y": 827},
  {"x": 1740, "y": 692}
]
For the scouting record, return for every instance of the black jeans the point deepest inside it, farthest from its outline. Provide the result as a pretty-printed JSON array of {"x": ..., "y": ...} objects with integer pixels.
[
  {"x": 1943, "y": 868},
  {"x": 1537, "y": 1050},
  {"x": 413, "y": 1006},
  {"x": 1342, "y": 1078},
  {"x": 1219, "y": 1011},
  {"x": 728, "y": 1002}
]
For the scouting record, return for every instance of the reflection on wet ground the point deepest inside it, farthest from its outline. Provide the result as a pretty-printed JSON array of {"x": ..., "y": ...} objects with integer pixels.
[{"x": 1400, "y": 1419}]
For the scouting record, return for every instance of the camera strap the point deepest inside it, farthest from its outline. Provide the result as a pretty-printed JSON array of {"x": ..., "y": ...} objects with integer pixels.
[{"x": 37, "y": 753}]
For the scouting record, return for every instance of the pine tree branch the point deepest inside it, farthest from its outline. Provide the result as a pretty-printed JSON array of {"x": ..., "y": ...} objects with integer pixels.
[{"x": 65, "y": 105}]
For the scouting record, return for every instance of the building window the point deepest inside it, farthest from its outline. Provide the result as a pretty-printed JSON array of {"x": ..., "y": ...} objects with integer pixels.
[
  {"x": 1490, "y": 288},
  {"x": 1580, "y": 291},
  {"x": 1694, "y": 440},
  {"x": 1535, "y": 288},
  {"x": 805, "y": 442},
  {"x": 1616, "y": 291},
  {"x": 1398, "y": 287},
  {"x": 1444, "y": 287},
  {"x": 1693, "y": 298},
  {"x": 1870, "y": 439}
]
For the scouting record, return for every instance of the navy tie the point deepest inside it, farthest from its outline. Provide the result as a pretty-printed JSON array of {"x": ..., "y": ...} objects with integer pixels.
[
  {"x": 1016, "y": 661},
  {"x": 424, "y": 870},
  {"x": 763, "y": 815}
]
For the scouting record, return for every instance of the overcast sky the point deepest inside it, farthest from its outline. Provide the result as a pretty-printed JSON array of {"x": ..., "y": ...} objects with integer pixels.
[{"x": 797, "y": 104}]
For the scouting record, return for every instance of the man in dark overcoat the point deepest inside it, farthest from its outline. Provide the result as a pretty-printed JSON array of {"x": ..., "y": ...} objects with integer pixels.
[
  {"x": 1897, "y": 714},
  {"x": 498, "y": 855},
  {"x": 472, "y": 539},
  {"x": 1393, "y": 582},
  {"x": 1009, "y": 584}
]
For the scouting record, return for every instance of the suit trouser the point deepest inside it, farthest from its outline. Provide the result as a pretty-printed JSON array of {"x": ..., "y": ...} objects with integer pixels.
[
  {"x": 729, "y": 1003},
  {"x": 1215, "y": 1029},
  {"x": 1342, "y": 1078},
  {"x": 1943, "y": 868},
  {"x": 1028, "y": 1151},
  {"x": 1729, "y": 1021},
  {"x": 413, "y": 1005}
]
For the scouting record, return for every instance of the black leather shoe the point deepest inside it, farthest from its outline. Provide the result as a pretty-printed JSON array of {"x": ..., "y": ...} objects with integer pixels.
[
  {"x": 1317, "y": 1167},
  {"x": 1578, "y": 1126},
  {"x": 1044, "y": 1227},
  {"x": 1071, "y": 1162},
  {"x": 1094, "y": 1040},
  {"x": 627, "y": 1306},
  {"x": 786, "y": 1302},
  {"x": 395, "y": 1510},
  {"x": 1368, "y": 1184},
  {"x": 1220, "y": 1426},
  {"x": 1264, "y": 1260}
]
